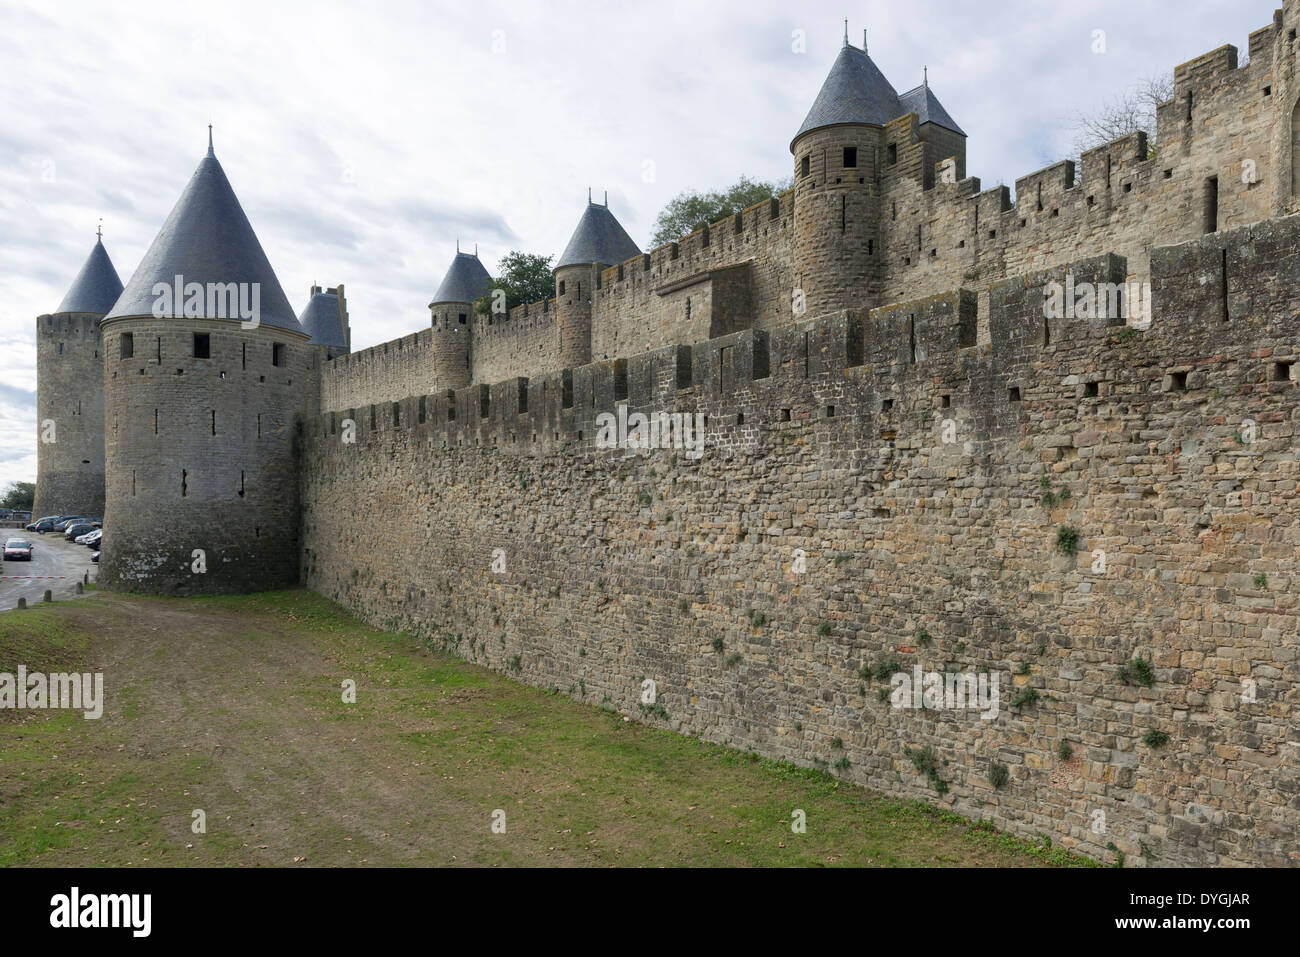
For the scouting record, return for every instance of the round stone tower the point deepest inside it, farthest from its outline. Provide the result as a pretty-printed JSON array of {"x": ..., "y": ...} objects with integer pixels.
[
  {"x": 599, "y": 242},
  {"x": 452, "y": 311},
  {"x": 326, "y": 320},
  {"x": 70, "y": 393},
  {"x": 838, "y": 152},
  {"x": 206, "y": 379}
]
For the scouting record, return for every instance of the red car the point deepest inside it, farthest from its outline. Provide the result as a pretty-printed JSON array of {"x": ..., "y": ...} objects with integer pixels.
[{"x": 18, "y": 550}]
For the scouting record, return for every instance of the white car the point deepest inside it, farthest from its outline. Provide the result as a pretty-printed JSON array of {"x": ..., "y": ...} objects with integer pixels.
[{"x": 90, "y": 537}]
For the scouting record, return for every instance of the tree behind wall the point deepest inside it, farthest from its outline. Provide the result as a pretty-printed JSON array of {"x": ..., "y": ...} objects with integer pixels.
[
  {"x": 1130, "y": 111},
  {"x": 690, "y": 210},
  {"x": 523, "y": 277}
]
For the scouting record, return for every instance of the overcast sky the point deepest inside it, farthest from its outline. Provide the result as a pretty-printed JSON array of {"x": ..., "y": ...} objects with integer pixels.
[{"x": 362, "y": 140}]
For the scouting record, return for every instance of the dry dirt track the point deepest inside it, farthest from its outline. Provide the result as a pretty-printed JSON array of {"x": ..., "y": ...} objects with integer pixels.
[{"x": 234, "y": 707}]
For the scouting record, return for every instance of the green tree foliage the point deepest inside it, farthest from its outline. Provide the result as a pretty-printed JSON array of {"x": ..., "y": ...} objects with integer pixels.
[
  {"x": 523, "y": 277},
  {"x": 689, "y": 211},
  {"x": 20, "y": 496}
]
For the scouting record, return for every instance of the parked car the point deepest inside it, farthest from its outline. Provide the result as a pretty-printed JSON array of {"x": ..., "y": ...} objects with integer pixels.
[
  {"x": 63, "y": 523},
  {"x": 44, "y": 525},
  {"x": 18, "y": 550},
  {"x": 73, "y": 529},
  {"x": 91, "y": 539},
  {"x": 31, "y": 527},
  {"x": 95, "y": 557}
]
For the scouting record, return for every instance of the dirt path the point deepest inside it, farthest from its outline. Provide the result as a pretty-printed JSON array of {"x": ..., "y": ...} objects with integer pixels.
[{"x": 234, "y": 707}]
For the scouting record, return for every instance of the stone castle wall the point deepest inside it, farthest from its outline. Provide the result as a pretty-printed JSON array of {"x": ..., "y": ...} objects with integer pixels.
[
  {"x": 70, "y": 396},
  {"x": 735, "y": 274},
  {"x": 1169, "y": 450},
  {"x": 1125, "y": 201}
]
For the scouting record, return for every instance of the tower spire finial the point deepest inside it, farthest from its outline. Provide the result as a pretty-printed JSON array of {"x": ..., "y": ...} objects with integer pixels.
[
  {"x": 589, "y": 194},
  {"x": 210, "y": 153},
  {"x": 99, "y": 231},
  {"x": 846, "y": 31},
  {"x": 607, "y": 199},
  {"x": 457, "y": 245},
  {"x": 926, "y": 74},
  {"x": 864, "y": 39}
]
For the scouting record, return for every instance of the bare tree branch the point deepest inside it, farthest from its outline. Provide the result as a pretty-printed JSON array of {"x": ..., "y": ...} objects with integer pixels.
[{"x": 1130, "y": 111}]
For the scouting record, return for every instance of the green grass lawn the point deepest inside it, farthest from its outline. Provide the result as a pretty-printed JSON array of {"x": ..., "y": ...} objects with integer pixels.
[{"x": 233, "y": 706}]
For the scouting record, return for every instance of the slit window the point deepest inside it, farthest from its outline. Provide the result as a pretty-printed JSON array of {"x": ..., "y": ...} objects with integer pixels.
[
  {"x": 805, "y": 166},
  {"x": 202, "y": 345},
  {"x": 892, "y": 153},
  {"x": 127, "y": 345},
  {"x": 277, "y": 353},
  {"x": 850, "y": 157}
]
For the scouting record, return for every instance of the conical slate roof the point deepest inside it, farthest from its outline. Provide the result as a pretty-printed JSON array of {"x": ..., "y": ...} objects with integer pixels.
[
  {"x": 207, "y": 239},
  {"x": 322, "y": 321},
  {"x": 599, "y": 238},
  {"x": 927, "y": 108},
  {"x": 96, "y": 287},
  {"x": 465, "y": 281},
  {"x": 855, "y": 91}
]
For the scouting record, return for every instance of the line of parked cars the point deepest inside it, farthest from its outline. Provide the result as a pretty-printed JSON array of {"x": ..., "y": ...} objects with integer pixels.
[{"x": 73, "y": 528}]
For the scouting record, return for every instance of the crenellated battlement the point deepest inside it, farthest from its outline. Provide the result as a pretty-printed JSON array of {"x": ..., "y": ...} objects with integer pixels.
[{"x": 900, "y": 353}]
